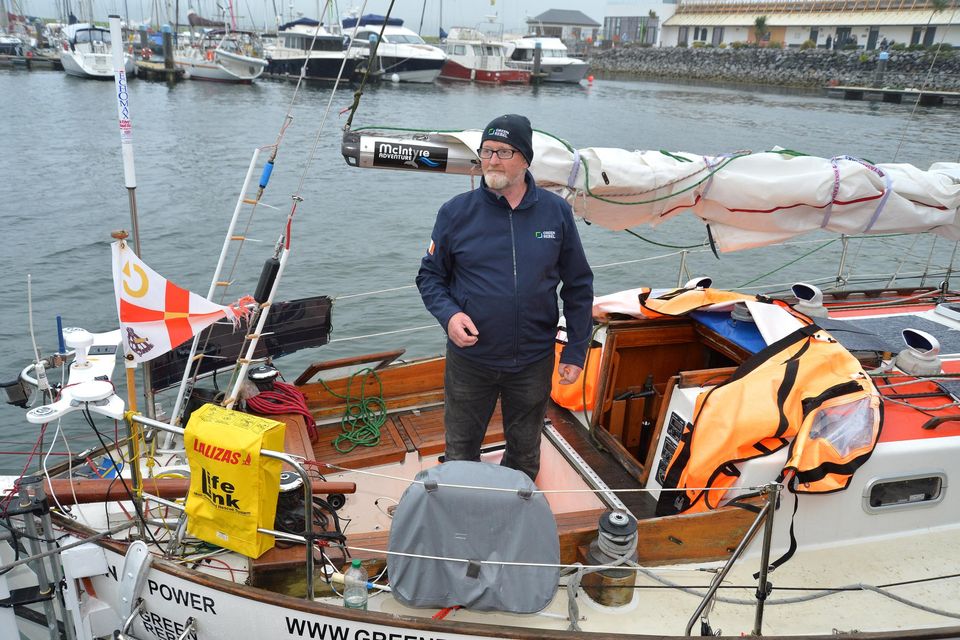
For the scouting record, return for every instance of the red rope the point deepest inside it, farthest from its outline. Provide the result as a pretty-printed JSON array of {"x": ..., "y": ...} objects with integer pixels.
[
  {"x": 285, "y": 398},
  {"x": 443, "y": 613}
]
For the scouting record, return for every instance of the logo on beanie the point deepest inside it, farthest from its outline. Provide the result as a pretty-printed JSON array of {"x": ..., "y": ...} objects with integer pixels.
[{"x": 500, "y": 133}]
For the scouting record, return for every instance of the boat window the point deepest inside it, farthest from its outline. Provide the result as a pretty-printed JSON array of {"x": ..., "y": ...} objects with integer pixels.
[
  {"x": 400, "y": 38},
  {"x": 905, "y": 492},
  {"x": 82, "y": 36},
  {"x": 477, "y": 50},
  {"x": 327, "y": 44},
  {"x": 362, "y": 39},
  {"x": 459, "y": 50}
]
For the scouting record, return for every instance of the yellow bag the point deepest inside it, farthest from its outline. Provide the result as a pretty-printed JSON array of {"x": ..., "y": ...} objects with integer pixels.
[{"x": 232, "y": 491}]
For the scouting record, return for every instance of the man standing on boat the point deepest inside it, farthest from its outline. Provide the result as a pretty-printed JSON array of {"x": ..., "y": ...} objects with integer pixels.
[{"x": 497, "y": 255}]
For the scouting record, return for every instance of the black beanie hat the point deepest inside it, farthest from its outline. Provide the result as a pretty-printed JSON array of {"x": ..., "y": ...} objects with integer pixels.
[{"x": 513, "y": 129}]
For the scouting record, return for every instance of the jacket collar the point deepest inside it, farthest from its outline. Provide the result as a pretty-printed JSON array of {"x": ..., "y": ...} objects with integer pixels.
[{"x": 530, "y": 198}]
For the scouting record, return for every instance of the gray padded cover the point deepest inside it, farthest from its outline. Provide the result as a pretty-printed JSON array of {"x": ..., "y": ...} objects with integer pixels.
[{"x": 474, "y": 525}]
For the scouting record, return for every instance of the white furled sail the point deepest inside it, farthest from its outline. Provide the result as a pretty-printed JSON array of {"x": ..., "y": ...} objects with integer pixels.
[{"x": 747, "y": 199}]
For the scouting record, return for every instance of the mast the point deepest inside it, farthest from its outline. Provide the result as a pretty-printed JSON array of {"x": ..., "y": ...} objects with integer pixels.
[{"x": 130, "y": 181}]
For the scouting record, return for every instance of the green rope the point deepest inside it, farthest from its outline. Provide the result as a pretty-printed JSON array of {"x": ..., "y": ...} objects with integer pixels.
[
  {"x": 363, "y": 417},
  {"x": 784, "y": 266},
  {"x": 665, "y": 245},
  {"x": 675, "y": 156}
]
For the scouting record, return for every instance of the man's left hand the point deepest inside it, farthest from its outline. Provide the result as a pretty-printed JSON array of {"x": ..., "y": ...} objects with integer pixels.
[{"x": 568, "y": 373}]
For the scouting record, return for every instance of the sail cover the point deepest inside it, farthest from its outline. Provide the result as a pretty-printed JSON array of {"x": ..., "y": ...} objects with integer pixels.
[
  {"x": 463, "y": 545},
  {"x": 747, "y": 199}
]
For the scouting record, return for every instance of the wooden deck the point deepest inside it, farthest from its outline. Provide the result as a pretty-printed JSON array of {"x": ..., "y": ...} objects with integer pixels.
[{"x": 417, "y": 429}]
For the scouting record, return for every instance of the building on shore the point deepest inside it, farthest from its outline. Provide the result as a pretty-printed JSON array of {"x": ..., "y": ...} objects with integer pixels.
[
  {"x": 577, "y": 30},
  {"x": 637, "y": 22},
  {"x": 836, "y": 24}
]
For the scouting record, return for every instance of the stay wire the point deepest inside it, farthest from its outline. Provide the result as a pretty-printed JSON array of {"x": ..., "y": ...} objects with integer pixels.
[
  {"x": 787, "y": 264},
  {"x": 373, "y": 56},
  {"x": 316, "y": 143},
  {"x": 926, "y": 80}
]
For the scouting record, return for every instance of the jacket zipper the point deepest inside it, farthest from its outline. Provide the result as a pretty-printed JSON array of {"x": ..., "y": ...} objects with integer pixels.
[{"x": 516, "y": 293}]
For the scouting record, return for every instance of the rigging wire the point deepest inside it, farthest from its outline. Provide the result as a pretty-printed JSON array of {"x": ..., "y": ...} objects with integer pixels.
[{"x": 926, "y": 79}]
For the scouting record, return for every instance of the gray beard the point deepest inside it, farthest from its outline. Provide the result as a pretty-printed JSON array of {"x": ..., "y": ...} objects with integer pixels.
[{"x": 497, "y": 181}]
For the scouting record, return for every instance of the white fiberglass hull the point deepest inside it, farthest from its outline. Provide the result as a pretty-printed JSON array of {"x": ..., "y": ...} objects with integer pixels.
[
  {"x": 423, "y": 76},
  {"x": 566, "y": 70},
  {"x": 225, "y": 610},
  {"x": 222, "y": 67},
  {"x": 92, "y": 65}
]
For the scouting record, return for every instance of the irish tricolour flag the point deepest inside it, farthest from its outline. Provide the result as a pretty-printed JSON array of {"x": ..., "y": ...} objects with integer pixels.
[{"x": 157, "y": 315}]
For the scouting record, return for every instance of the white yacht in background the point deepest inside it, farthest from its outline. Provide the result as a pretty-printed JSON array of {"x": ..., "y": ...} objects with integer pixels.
[
  {"x": 307, "y": 41},
  {"x": 85, "y": 52},
  {"x": 554, "y": 61},
  {"x": 223, "y": 56},
  {"x": 402, "y": 53}
]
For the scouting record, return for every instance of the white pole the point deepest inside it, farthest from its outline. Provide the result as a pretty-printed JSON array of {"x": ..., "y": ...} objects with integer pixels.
[
  {"x": 129, "y": 173},
  {"x": 123, "y": 106}
]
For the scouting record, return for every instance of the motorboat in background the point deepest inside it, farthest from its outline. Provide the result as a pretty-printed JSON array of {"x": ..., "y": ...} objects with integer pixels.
[
  {"x": 223, "y": 56},
  {"x": 554, "y": 61},
  {"x": 306, "y": 41},
  {"x": 11, "y": 45},
  {"x": 403, "y": 53},
  {"x": 85, "y": 52},
  {"x": 473, "y": 56}
]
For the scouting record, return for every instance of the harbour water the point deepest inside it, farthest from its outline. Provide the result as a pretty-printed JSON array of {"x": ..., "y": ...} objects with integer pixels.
[{"x": 362, "y": 231}]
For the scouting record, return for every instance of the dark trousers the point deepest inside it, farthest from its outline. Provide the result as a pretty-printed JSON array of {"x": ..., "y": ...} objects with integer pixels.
[{"x": 471, "y": 391}]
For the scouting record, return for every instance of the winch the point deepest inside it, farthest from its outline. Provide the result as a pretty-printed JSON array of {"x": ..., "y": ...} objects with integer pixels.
[{"x": 616, "y": 538}]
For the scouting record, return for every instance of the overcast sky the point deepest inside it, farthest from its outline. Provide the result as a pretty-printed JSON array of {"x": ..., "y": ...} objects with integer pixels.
[{"x": 465, "y": 13}]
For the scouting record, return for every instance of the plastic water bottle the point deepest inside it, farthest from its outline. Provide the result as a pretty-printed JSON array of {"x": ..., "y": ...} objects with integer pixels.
[{"x": 355, "y": 586}]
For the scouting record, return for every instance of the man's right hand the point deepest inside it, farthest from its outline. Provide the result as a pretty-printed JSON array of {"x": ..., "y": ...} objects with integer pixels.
[{"x": 461, "y": 330}]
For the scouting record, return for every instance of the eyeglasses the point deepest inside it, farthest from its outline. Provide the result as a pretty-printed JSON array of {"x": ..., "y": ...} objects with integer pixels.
[{"x": 503, "y": 154}]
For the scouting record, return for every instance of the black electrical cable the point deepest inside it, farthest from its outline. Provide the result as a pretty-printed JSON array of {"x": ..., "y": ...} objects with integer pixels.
[{"x": 136, "y": 507}]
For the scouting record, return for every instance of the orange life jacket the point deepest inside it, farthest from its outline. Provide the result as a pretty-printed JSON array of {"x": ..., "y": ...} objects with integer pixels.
[
  {"x": 682, "y": 301},
  {"x": 804, "y": 391}
]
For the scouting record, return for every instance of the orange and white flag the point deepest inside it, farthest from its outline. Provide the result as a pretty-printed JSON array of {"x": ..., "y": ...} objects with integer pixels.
[{"x": 157, "y": 315}]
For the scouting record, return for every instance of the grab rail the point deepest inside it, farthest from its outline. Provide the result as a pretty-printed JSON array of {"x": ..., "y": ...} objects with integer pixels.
[
  {"x": 765, "y": 516},
  {"x": 276, "y": 455},
  {"x": 123, "y": 633}
]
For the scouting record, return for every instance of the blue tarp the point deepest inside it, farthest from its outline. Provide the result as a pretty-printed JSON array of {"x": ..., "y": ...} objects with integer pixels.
[
  {"x": 372, "y": 18},
  {"x": 744, "y": 334},
  {"x": 307, "y": 22}
]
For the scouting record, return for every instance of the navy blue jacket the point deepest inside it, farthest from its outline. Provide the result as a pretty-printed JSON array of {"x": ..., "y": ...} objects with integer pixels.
[{"x": 501, "y": 267}]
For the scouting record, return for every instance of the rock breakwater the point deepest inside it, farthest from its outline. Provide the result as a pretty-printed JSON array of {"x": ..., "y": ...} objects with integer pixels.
[{"x": 786, "y": 67}]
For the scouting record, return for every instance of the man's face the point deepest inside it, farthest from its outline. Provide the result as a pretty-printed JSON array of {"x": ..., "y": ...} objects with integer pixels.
[{"x": 500, "y": 174}]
